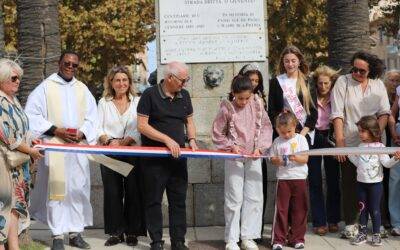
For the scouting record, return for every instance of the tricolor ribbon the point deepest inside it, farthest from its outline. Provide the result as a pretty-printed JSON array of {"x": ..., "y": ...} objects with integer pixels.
[
  {"x": 188, "y": 153},
  {"x": 135, "y": 151}
]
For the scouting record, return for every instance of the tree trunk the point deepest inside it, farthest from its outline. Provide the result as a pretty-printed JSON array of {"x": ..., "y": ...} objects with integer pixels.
[
  {"x": 2, "y": 43},
  {"x": 38, "y": 42},
  {"x": 348, "y": 31}
]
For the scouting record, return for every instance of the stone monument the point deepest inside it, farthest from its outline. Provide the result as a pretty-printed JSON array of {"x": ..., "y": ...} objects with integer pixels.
[{"x": 215, "y": 38}]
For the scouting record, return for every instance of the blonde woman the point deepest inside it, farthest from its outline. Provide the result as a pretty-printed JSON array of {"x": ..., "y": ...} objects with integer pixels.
[
  {"x": 325, "y": 216},
  {"x": 123, "y": 213},
  {"x": 292, "y": 81},
  {"x": 14, "y": 180}
]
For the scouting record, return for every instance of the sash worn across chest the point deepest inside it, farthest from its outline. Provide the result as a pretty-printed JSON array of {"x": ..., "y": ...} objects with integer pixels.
[
  {"x": 55, "y": 115},
  {"x": 294, "y": 103}
]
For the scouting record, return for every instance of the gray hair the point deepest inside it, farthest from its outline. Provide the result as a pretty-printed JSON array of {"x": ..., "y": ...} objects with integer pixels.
[
  {"x": 7, "y": 66},
  {"x": 174, "y": 68}
]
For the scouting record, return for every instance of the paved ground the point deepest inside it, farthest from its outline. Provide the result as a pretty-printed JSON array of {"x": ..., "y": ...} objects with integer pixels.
[{"x": 211, "y": 238}]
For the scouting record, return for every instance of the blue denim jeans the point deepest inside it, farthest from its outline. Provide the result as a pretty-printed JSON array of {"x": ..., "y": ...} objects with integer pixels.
[{"x": 394, "y": 190}]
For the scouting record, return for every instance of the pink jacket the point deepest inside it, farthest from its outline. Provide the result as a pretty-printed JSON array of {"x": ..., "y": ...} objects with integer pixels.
[{"x": 248, "y": 127}]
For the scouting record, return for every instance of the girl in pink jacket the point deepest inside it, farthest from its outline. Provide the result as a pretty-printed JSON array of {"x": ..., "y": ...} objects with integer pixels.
[{"x": 242, "y": 126}]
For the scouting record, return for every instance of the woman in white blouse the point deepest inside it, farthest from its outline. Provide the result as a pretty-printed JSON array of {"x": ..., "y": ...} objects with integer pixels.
[{"x": 123, "y": 210}]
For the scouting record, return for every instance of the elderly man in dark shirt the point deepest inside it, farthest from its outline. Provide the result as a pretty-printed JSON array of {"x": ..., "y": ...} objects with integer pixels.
[{"x": 164, "y": 111}]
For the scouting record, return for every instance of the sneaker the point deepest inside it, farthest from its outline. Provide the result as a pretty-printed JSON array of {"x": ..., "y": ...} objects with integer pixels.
[
  {"x": 360, "y": 238},
  {"x": 299, "y": 245},
  {"x": 232, "y": 246},
  {"x": 349, "y": 232},
  {"x": 249, "y": 245},
  {"x": 395, "y": 231},
  {"x": 376, "y": 240},
  {"x": 277, "y": 247},
  {"x": 384, "y": 233}
]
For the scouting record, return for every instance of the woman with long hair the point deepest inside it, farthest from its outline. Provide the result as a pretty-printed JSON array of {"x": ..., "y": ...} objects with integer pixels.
[{"x": 290, "y": 91}]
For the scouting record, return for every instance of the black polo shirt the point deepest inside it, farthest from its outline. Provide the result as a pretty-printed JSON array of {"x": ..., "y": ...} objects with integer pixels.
[{"x": 167, "y": 115}]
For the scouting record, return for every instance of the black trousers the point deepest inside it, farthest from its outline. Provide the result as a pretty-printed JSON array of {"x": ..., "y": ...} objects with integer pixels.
[
  {"x": 170, "y": 175},
  {"x": 123, "y": 201},
  {"x": 265, "y": 192}
]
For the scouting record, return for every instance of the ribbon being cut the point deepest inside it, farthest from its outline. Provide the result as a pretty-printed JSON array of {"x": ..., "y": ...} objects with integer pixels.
[{"x": 95, "y": 151}]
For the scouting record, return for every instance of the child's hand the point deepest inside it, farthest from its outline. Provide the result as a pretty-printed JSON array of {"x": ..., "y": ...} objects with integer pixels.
[
  {"x": 292, "y": 157},
  {"x": 236, "y": 149},
  {"x": 277, "y": 161},
  {"x": 396, "y": 139},
  {"x": 257, "y": 153},
  {"x": 300, "y": 159},
  {"x": 397, "y": 155}
]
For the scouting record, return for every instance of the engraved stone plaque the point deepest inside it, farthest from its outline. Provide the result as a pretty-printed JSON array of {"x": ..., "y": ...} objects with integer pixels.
[{"x": 195, "y": 31}]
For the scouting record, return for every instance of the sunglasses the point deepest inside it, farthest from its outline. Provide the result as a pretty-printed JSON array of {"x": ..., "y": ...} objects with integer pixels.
[
  {"x": 183, "y": 81},
  {"x": 358, "y": 70},
  {"x": 69, "y": 64},
  {"x": 14, "y": 78}
]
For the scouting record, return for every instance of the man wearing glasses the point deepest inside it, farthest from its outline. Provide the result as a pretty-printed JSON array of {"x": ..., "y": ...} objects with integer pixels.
[
  {"x": 165, "y": 112},
  {"x": 62, "y": 110}
]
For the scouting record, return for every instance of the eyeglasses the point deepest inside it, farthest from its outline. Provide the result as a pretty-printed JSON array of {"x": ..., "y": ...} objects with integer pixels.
[
  {"x": 183, "y": 81},
  {"x": 69, "y": 64},
  {"x": 14, "y": 78},
  {"x": 358, "y": 70}
]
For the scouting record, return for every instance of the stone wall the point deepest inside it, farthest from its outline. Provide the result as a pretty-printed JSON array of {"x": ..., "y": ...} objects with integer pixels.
[{"x": 205, "y": 197}]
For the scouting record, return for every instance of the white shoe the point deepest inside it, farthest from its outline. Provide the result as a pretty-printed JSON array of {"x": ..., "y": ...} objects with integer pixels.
[
  {"x": 277, "y": 247},
  {"x": 396, "y": 231},
  {"x": 349, "y": 232},
  {"x": 232, "y": 246},
  {"x": 249, "y": 245}
]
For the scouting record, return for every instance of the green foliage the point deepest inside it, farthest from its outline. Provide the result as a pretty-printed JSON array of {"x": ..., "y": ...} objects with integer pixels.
[
  {"x": 392, "y": 19},
  {"x": 10, "y": 26},
  {"x": 105, "y": 32},
  {"x": 33, "y": 246},
  {"x": 102, "y": 32},
  {"x": 301, "y": 23}
]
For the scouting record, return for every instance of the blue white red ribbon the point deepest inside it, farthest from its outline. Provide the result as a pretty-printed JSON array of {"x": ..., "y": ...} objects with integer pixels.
[
  {"x": 201, "y": 153},
  {"x": 135, "y": 151}
]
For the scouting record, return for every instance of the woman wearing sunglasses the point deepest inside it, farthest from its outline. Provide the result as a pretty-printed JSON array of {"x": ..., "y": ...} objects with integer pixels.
[
  {"x": 15, "y": 179},
  {"x": 357, "y": 94}
]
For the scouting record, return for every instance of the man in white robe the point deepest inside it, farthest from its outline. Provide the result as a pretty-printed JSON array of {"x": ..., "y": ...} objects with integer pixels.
[{"x": 62, "y": 109}]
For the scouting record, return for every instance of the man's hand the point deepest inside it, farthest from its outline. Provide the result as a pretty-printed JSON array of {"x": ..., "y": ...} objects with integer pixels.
[
  {"x": 174, "y": 147},
  {"x": 62, "y": 133},
  {"x": 115, "y": 142},
  {"x": 79, "y": 136},
  {"x": 193, "y": 145}
]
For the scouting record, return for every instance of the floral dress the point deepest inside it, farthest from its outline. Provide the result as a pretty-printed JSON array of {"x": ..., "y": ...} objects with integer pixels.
[{"x": 14, "y": 181}]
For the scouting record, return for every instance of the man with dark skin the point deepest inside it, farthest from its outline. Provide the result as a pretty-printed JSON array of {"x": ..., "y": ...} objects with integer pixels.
[{"x": 62, "y": 110}]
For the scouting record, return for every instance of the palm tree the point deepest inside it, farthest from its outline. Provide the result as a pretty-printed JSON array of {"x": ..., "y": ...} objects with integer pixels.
[
  {"x": 38, "y": 41},
  {"x": 348, "y": 30},
  {"x": 2, "y": 46}
]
